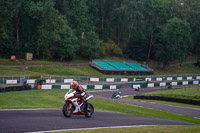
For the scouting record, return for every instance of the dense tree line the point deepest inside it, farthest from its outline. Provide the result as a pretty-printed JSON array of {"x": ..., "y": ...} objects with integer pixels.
[{"x": 163, "y": 30}]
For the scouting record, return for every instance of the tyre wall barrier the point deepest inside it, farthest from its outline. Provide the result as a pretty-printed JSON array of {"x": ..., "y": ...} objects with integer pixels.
[
  {"x": 15, "y": 88},
  {"x": 34, "y": 87},
  {"x": 186, "y": 101}
]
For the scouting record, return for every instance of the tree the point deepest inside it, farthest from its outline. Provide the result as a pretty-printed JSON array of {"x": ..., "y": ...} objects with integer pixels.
[
  {"x": 76, "y": 12},
  {"x": 12, "y": 18},
  {"x": 7, "y": 45},
  {"x": 68, "y": 43},
  {"x": 91, "y": 46},
  {"x": 193, "y": 17},
  {"x": 174, "y": 41},
  {"x": 154, "y": 18},
  {"x": 137, "y": 46},
  {"x": 60, "y": 28},
  {"x": 53, "y": 38},
  {"x": 112, "y": 49},
  {"x": 104, "y": 18}
]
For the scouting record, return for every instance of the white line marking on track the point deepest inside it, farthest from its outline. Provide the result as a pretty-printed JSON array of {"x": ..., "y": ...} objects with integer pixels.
[
  {"x": 44, "y": 109},
  {"x": 168, "y": 105},
  {"x": 89, "y": 128},
  {"x": 183, "y": 107},
  {"x": 27, "y": 109},
  {"x": 180, "y": 114}
]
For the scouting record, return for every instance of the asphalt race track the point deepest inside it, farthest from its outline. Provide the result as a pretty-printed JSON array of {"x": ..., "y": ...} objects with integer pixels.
[
  {"x": 52, "y": 119},
  {"x": 193, "y": 112},
  {"x": 37, "y": 120}
]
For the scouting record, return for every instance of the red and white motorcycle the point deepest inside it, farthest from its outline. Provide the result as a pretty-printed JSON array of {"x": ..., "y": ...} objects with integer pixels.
[{"x": 76, "y": 106}]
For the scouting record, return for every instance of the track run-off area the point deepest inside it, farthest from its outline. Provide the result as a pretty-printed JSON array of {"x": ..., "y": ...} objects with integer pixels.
[{"x": 47, "y": 120}]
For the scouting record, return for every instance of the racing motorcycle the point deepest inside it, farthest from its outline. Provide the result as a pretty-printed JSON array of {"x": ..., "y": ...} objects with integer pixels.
[
  {"x": 116, "y": 95},
  {"x": 76, "y": 106}
]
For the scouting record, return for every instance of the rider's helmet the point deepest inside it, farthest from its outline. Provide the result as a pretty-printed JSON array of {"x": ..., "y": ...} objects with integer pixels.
[{"x": 74, "y": 84}]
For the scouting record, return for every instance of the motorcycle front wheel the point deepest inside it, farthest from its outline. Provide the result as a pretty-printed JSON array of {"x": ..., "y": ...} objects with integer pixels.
[
  {"x": 67, "y": 110},
  {"x": 89, "y": 110}
]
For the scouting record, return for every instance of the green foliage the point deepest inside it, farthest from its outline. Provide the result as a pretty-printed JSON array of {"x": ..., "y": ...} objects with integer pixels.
[
  {"x": 113, "y": 50},
  {"x": 76, "y": 12},
  {"x": 104, "y": 18},
  {"x": 147, "y": 19},
  {"x": 91, "y": 46},
  {"x": 197, "y": 63},
  {"x": 175, "y": 41},
  {"x": 6, "y": 37},
  {"x": 137, "y": 47},
  {"x": 193, "y": 17},
  {"x": 67, "y": 43},
  {"x": 52, "y": 29},
  {"x": 54, "y": 37},
  {"x": 137, "y": 50}
]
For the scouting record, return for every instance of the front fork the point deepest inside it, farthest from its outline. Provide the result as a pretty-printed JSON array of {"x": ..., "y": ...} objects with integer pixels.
[{"x": 69, "y": 105}]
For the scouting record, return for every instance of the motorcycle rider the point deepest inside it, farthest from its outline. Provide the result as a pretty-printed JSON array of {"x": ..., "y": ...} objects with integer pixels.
[
  {"x": 116, "y": 95},
  {"x": 80, "y": 92}
]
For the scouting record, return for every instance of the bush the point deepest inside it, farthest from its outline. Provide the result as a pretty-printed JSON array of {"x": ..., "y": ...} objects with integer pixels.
[
  {"x": 113, "y": 50},
  {"x": 91, "y": 46},
  {"x": 197, "y": 63}
]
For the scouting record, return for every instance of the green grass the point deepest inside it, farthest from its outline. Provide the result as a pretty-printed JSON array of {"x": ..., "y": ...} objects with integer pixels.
[
  {"x": 186, "y": 69},
  {"x": 19, "y": 71},
  {"x": 162, "y": 102},
  {"x": 12, "y": 71},
  {"x": 187, "y": 93},
  {"x": 86, "y": 70},
  {"x": 73, "y": 70},
  {"x": 7, "y": 62},
  {"x": 39, "y": 62},
  {"x": 55, "y": 99},
  {"x": 145, "y": 129},
  {"x": 35, "y": 72}
]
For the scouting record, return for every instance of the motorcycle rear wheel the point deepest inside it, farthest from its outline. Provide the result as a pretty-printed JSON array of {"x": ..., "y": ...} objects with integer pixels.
[
  {"x": 89, "y": 110},
  {"x": 67, "y": 112}
]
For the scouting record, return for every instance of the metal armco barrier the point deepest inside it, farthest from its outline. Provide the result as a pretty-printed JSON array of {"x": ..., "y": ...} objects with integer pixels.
[
  {"x": 84, "y": 79},
  {"x": 99, "y": 86},
  {"x": 164, "y": 84}
]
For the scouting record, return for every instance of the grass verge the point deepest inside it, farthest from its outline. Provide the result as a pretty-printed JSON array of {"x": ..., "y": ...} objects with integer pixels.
[
  {"x": 162, "y": 102},
  {"x": 7, "y": 62},
  {"x": 145, "y": 129},
  {"x": 84, "y": 70},
  {"x": 19, "y": 71},
  {"x": 73, "y": 70},
  {"x": 186, "y": 93},
  {"x": 55, "y": 99}
]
